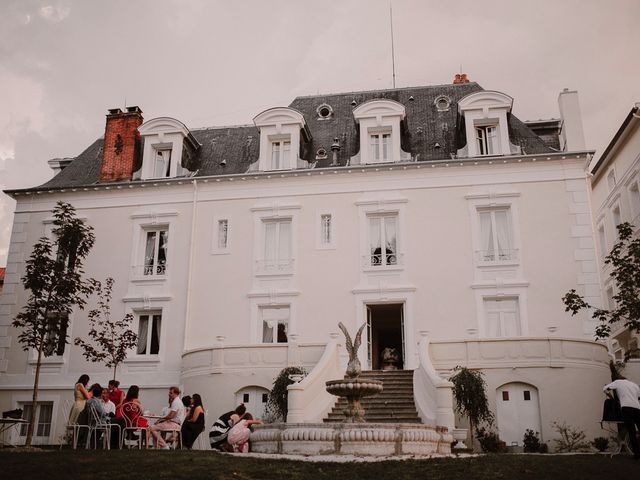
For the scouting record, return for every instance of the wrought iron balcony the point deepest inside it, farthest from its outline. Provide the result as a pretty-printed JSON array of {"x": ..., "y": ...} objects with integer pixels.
[
  {"x": 497, "y": 256},
  {"x": 275, "y": 266},
  {"x": 150, "y": 270}
]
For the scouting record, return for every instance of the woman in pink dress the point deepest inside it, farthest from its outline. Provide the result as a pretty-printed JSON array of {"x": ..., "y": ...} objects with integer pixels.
[{"x": 240, "y": 433}]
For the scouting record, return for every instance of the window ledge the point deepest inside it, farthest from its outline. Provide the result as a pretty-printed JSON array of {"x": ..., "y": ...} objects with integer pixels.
[
  {"x": 262, "y": 273},
  {"x": 149, "y": 279},
  {"x": 143, "y": 359},
  {"x": 503, "y": 263},
  {"x": 58, "y": 360},
  {"x": 383, "y": 268}
]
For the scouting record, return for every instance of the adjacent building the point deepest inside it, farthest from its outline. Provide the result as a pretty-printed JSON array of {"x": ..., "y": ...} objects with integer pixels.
[{"x": 431, "y": 213}]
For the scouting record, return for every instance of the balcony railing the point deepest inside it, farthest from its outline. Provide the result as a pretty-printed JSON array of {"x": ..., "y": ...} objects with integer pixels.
[
  {"x": 382, "y": 260},
  {"x": 497, "y": 256},
  {"x": 159, "y": 270},
  {"x": 275, "y": 266}
]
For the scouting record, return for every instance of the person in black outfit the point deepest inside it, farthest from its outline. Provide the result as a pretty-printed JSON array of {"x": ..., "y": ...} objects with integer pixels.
[
  {"x": 193, "y": 424},
  {"x": 221, "y": 427}
]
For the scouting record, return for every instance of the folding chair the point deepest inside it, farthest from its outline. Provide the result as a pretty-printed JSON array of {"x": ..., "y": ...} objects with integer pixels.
[{"x": 129, "y": 414}]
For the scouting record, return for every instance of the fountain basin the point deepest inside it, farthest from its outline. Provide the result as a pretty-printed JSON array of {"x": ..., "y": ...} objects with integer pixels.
[
  {"x": 354, "y": 387},
  {"x": 351, "y": 439}
]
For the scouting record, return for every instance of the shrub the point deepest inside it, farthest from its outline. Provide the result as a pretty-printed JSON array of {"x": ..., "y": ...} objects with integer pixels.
[
  {"x": 531, "y": 441},
  {"x": 490, "y": 441},
  {"x": 571, "y": 439},
  {"x": 471, "y": 398},
  {"x": 277, "y": 404},
  {"x": 600, "y": 443}
]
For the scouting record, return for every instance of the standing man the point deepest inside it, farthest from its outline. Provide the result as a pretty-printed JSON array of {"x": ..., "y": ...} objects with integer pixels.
[
  {"x": 628, "y": 393},
  {"x": 172, "y": 421}
]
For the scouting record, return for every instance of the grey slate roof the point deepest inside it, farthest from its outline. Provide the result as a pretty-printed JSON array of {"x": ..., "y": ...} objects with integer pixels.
[{"x": 423, "y": 128}]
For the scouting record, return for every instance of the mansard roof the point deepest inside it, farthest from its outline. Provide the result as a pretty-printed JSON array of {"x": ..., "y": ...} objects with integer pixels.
[{"x": 430, "y": 131}]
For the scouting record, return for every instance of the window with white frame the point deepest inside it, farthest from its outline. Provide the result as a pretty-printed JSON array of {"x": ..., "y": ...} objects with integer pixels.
[
  {"x": 611, "y": 304},
  {"x": 603, "y": 242},
  {"x": 634, "y": 201},
  {"x": 326, "y": 229},
  {"x": 487, "y": 140},
  {"x": 502, "y": 317},
  {"x": 275, "y": 324},
  {"x": 149, "y": 328},
  {"x": 611, "y": 179},
  {"x": 277, "y": 245},
  {"x": 617, "y": 219},
  {"x": 162, "y": 163},
  {"x": 280, "y": 154},
  {"x": 223, "y": 234},
  {"x": 383, "y": 240},
  {"x": 496, "y": 236},
  {"x": 380, "y": 146},
  {"x": 155, "y": 251},
  {"x": 44, "y": 414}
]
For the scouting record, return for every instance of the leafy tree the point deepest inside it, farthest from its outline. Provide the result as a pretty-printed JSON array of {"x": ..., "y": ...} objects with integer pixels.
[
  {"x": 277, "y": 403},
  {"x": 625, "y": 263},
  {"x": 111, "y": 340},
  {"x": 471, "y": 398},
  {"x": 54, "y": 277}
]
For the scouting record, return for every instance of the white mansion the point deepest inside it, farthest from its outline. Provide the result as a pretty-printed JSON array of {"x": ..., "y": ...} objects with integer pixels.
[{"x": 431, "y": 213}]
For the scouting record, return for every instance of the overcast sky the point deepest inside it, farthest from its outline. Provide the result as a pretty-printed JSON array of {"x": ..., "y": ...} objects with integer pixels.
[{"x": 63, "y": 63}]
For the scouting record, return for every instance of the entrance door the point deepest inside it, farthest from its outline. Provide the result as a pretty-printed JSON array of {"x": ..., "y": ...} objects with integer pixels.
[
  {"x": 254, "y": 398},
  {"x": 517, "y": 410},
  {"x": 385, "y": 332}
]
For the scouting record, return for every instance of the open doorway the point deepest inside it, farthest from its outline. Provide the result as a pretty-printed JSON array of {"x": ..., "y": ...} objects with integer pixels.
[{"x": 385, "y": 336}]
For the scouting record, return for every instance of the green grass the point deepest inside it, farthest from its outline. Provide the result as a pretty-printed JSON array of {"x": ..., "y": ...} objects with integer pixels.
[{"x": 173, "y": 465}]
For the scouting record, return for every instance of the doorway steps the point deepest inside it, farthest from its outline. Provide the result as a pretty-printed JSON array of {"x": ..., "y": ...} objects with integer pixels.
[{"x": 394, "y": 405}]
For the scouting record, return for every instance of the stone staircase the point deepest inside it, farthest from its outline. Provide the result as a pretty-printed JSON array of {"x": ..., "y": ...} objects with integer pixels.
[{"x": 394, "y": 405}]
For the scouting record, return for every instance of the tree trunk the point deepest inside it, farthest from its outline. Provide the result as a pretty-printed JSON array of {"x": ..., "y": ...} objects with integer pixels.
[
  {"x": 115, "y": 367},
  {"x": 471, "y": 429},
  {"x": 34, "y": 400}
]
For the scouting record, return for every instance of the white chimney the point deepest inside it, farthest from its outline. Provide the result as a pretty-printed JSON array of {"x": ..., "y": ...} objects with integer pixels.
[{"x": 571, "y": 133}]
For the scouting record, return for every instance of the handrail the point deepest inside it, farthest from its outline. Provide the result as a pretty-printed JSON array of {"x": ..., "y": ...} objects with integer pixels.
[
  {"x": 433, "y": 394},
  {"x": 308, "y": 399}
]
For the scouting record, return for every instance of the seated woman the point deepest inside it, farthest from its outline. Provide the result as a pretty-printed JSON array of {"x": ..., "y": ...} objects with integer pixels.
[
  {"x": 193, "y": 424},
  {"x": 240, "y": 433},
  {"x": 220, "y": 429},
  {"x": 132, "y": 411}
]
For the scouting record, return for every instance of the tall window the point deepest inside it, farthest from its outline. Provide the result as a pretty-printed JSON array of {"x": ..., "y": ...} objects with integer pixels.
[
  {"x": 617, "y": 220},
  {"x": 503, "y": 317},
  {"x": 383, "y": 240},
  {"x": 495, "y": 235},
  {"x": 280, "y": 152},
  {"x": 277, "y": 245},
  {"x": 155, "y": 254},
  {"x": 380, "y": 144},
  {"x": 487, "y": 140},
  {"x": 162, "y": 165},
  {"x": 634, "y": 197},
  {"x": 44, "y": 412},
  {"x": 275, "y": 324},
  {"x": 149, "y": 325},
  {"x": 603, "y": 242},
  {"x": 611, "y": 179},
  {"x": 223, "y": 233},
  {"x": 326, "y": 234},
  {"x": 56, "y": 344}
]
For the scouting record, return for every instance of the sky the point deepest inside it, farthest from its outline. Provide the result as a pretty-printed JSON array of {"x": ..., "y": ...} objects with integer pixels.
[{"x": 63, "y": 63}]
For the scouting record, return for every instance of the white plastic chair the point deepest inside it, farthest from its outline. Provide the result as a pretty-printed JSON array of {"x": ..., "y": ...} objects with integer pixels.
[{"x": 75, "y": 428}]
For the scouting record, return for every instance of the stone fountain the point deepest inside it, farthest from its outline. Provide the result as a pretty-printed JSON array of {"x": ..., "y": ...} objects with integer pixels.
[
  {"x": 354, "y": 436},
  {"x": 351, "y": 387}
]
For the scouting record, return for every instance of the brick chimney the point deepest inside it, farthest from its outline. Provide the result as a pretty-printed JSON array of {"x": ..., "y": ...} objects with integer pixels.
[
  {"x": 460, "y": 78},
  {"x": 121, "y": 144}
]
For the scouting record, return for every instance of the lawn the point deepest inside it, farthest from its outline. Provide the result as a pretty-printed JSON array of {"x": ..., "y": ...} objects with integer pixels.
[{"x": 135, "y": 464}]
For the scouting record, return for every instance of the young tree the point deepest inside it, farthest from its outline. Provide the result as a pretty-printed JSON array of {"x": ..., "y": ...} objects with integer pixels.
[
  {"x": 625, "y": 272},
  {"x": 471, "y": 398},
  {"x": 54, "y": 277},
  {"x": 111, "y": 339}
]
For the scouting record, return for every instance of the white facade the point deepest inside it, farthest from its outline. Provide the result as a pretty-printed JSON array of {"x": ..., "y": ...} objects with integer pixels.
[{"x": 258, "y": 268}]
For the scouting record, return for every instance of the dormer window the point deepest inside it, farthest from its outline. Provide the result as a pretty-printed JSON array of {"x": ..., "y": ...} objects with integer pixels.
[
  {"x": 486, "y": 125},
  {"x": 380, "y": 146},
  {"x": 162, "y": 166},
  {"x": 168, "y": 144},
  {"x": 487, "y": 140},
  {"x": 280, "y": 154},
  {"x": 282, "y": 131},
  {"x": 379, "y": 122}
]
